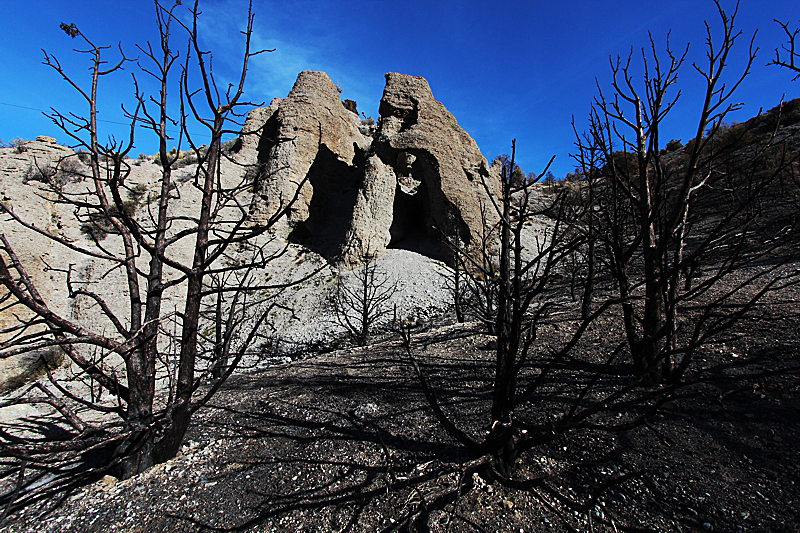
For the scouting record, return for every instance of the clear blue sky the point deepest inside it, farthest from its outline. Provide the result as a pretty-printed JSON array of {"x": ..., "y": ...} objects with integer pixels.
[{"x": 504, "y": 69}]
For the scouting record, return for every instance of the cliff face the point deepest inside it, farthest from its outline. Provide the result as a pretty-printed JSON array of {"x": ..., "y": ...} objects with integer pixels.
[
  {"x": 409, "y": 182},
  {"x": 18, "y": 167},
  {"x": 50, "y": 247}
]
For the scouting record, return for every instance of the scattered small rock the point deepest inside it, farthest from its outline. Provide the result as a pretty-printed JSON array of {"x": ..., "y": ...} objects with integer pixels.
[
  {"x": 108, "y": 481},
  {"x": 364, "y": 410}
]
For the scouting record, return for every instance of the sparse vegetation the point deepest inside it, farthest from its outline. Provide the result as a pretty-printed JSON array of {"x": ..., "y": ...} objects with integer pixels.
[
  {"x": 231, "y": 146},
  {"x": 84, "y": 157},
  {"x": 65, "y": 171},
  {"x": 185, "y": 159},
  {"x": 18, "y": 145},
  {"x": 623, "y": 358},
  {"x": 360, "y": 299},
  {"x": 674, "y": 145},
  {"x": 42, "y": 174},
  {"x": 98, "y": 226}
]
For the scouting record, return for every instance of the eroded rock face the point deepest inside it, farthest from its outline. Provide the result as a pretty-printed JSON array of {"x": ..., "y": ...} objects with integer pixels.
[
  {"x": 414, "y": 179},
  {"x": 440, "y": 168},
  {"x": 310, "y": 140}
]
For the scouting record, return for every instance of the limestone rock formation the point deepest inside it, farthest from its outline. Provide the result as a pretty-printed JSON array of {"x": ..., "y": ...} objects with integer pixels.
[
  {"x": 19, "y": 168},
  {"x": 310, "y": 139},
  {"x": 414, "y": 179},
  {"x": 404, "y": 182}
]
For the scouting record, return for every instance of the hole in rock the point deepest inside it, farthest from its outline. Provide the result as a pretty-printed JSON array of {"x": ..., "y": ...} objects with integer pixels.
[
  {"x": 412, "y": 224},
  {"x": 335, "y": 188}
]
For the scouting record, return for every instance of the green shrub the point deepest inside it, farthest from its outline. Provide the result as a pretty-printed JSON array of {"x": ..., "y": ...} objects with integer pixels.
[
  {"x": 187, "y": 158},
  {"x": 55, "y": 177},
  {"x": 99, "y": 226},
  {"x": 41, "y": 173},
  {"x": 137, "y": 192}
]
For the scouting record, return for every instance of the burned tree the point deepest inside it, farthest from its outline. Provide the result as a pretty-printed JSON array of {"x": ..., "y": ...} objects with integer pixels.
[
  {"x": 360, "y": 300},
  {"x": 787, "y": 55},
  {"x": 657, "y": 217},
  {"x": 456, "y": 281},
  {"x": 651, "y": 222},
  {"x": 537, "y": 390},
  {"x": 137, "y": 369},
  {"x": 523, "y": 275},
  {"x": 472, "y": 273}
]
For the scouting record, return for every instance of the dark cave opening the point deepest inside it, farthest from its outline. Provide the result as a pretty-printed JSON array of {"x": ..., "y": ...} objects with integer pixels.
[
  {"x": 412, "y": 224},
  {"x": 335, "y": 187}
]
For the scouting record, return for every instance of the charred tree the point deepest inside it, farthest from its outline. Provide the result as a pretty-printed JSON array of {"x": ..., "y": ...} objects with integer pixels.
[
  {"x": 138, "y": 369},
  {"x": 659, "y": 216},
  {"x": 520, "y": 279},
  {"x": 361, "y": 300},
  {"x": 787, "y": 55}
]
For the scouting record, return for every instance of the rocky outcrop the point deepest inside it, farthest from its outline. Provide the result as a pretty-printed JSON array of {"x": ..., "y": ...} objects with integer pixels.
[
  {"x": 350, "y": 185},
  {"x": 47, "y": 260},
  {"x": 440, "y": 170},
  {"x": 413, "y": 179},
  {"x": 19, "y": 168},
  {"x": 312, "y": 142}
]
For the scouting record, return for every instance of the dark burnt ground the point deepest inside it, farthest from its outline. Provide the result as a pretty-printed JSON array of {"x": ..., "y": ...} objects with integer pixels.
[{"x": 345, "y": 441}]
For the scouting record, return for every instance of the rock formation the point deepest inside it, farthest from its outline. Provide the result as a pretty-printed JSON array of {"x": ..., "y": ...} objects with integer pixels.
[
  {"x": 310, "y": 140},
  {"x": 407, "y": 182},
  {"x": 22, "y": 191},
  {"x": 415, "y": 178},
  {"x": 18, "y": 168}
]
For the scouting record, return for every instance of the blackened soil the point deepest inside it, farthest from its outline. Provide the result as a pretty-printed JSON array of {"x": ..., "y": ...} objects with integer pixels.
[{"x": 346, "y": 441}]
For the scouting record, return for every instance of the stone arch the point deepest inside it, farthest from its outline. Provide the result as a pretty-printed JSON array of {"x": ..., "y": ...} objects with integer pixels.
[{"x": 419, "y": 208}]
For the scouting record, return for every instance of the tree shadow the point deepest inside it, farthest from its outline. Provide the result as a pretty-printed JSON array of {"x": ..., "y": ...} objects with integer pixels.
[{"x": 336, "y": 437}]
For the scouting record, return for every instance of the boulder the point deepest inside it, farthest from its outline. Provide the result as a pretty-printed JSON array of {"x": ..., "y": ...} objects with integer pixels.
[{"x": 47, "y": 261}]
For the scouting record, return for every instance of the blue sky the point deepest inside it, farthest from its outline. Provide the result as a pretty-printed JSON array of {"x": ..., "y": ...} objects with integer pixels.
[{"x": 504, "y": 69}]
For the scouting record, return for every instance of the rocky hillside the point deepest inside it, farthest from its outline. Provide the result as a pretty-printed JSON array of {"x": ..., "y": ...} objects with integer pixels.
[
  {"x": 403, "y": 183},
  {"x": 395, "y": 188}
]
